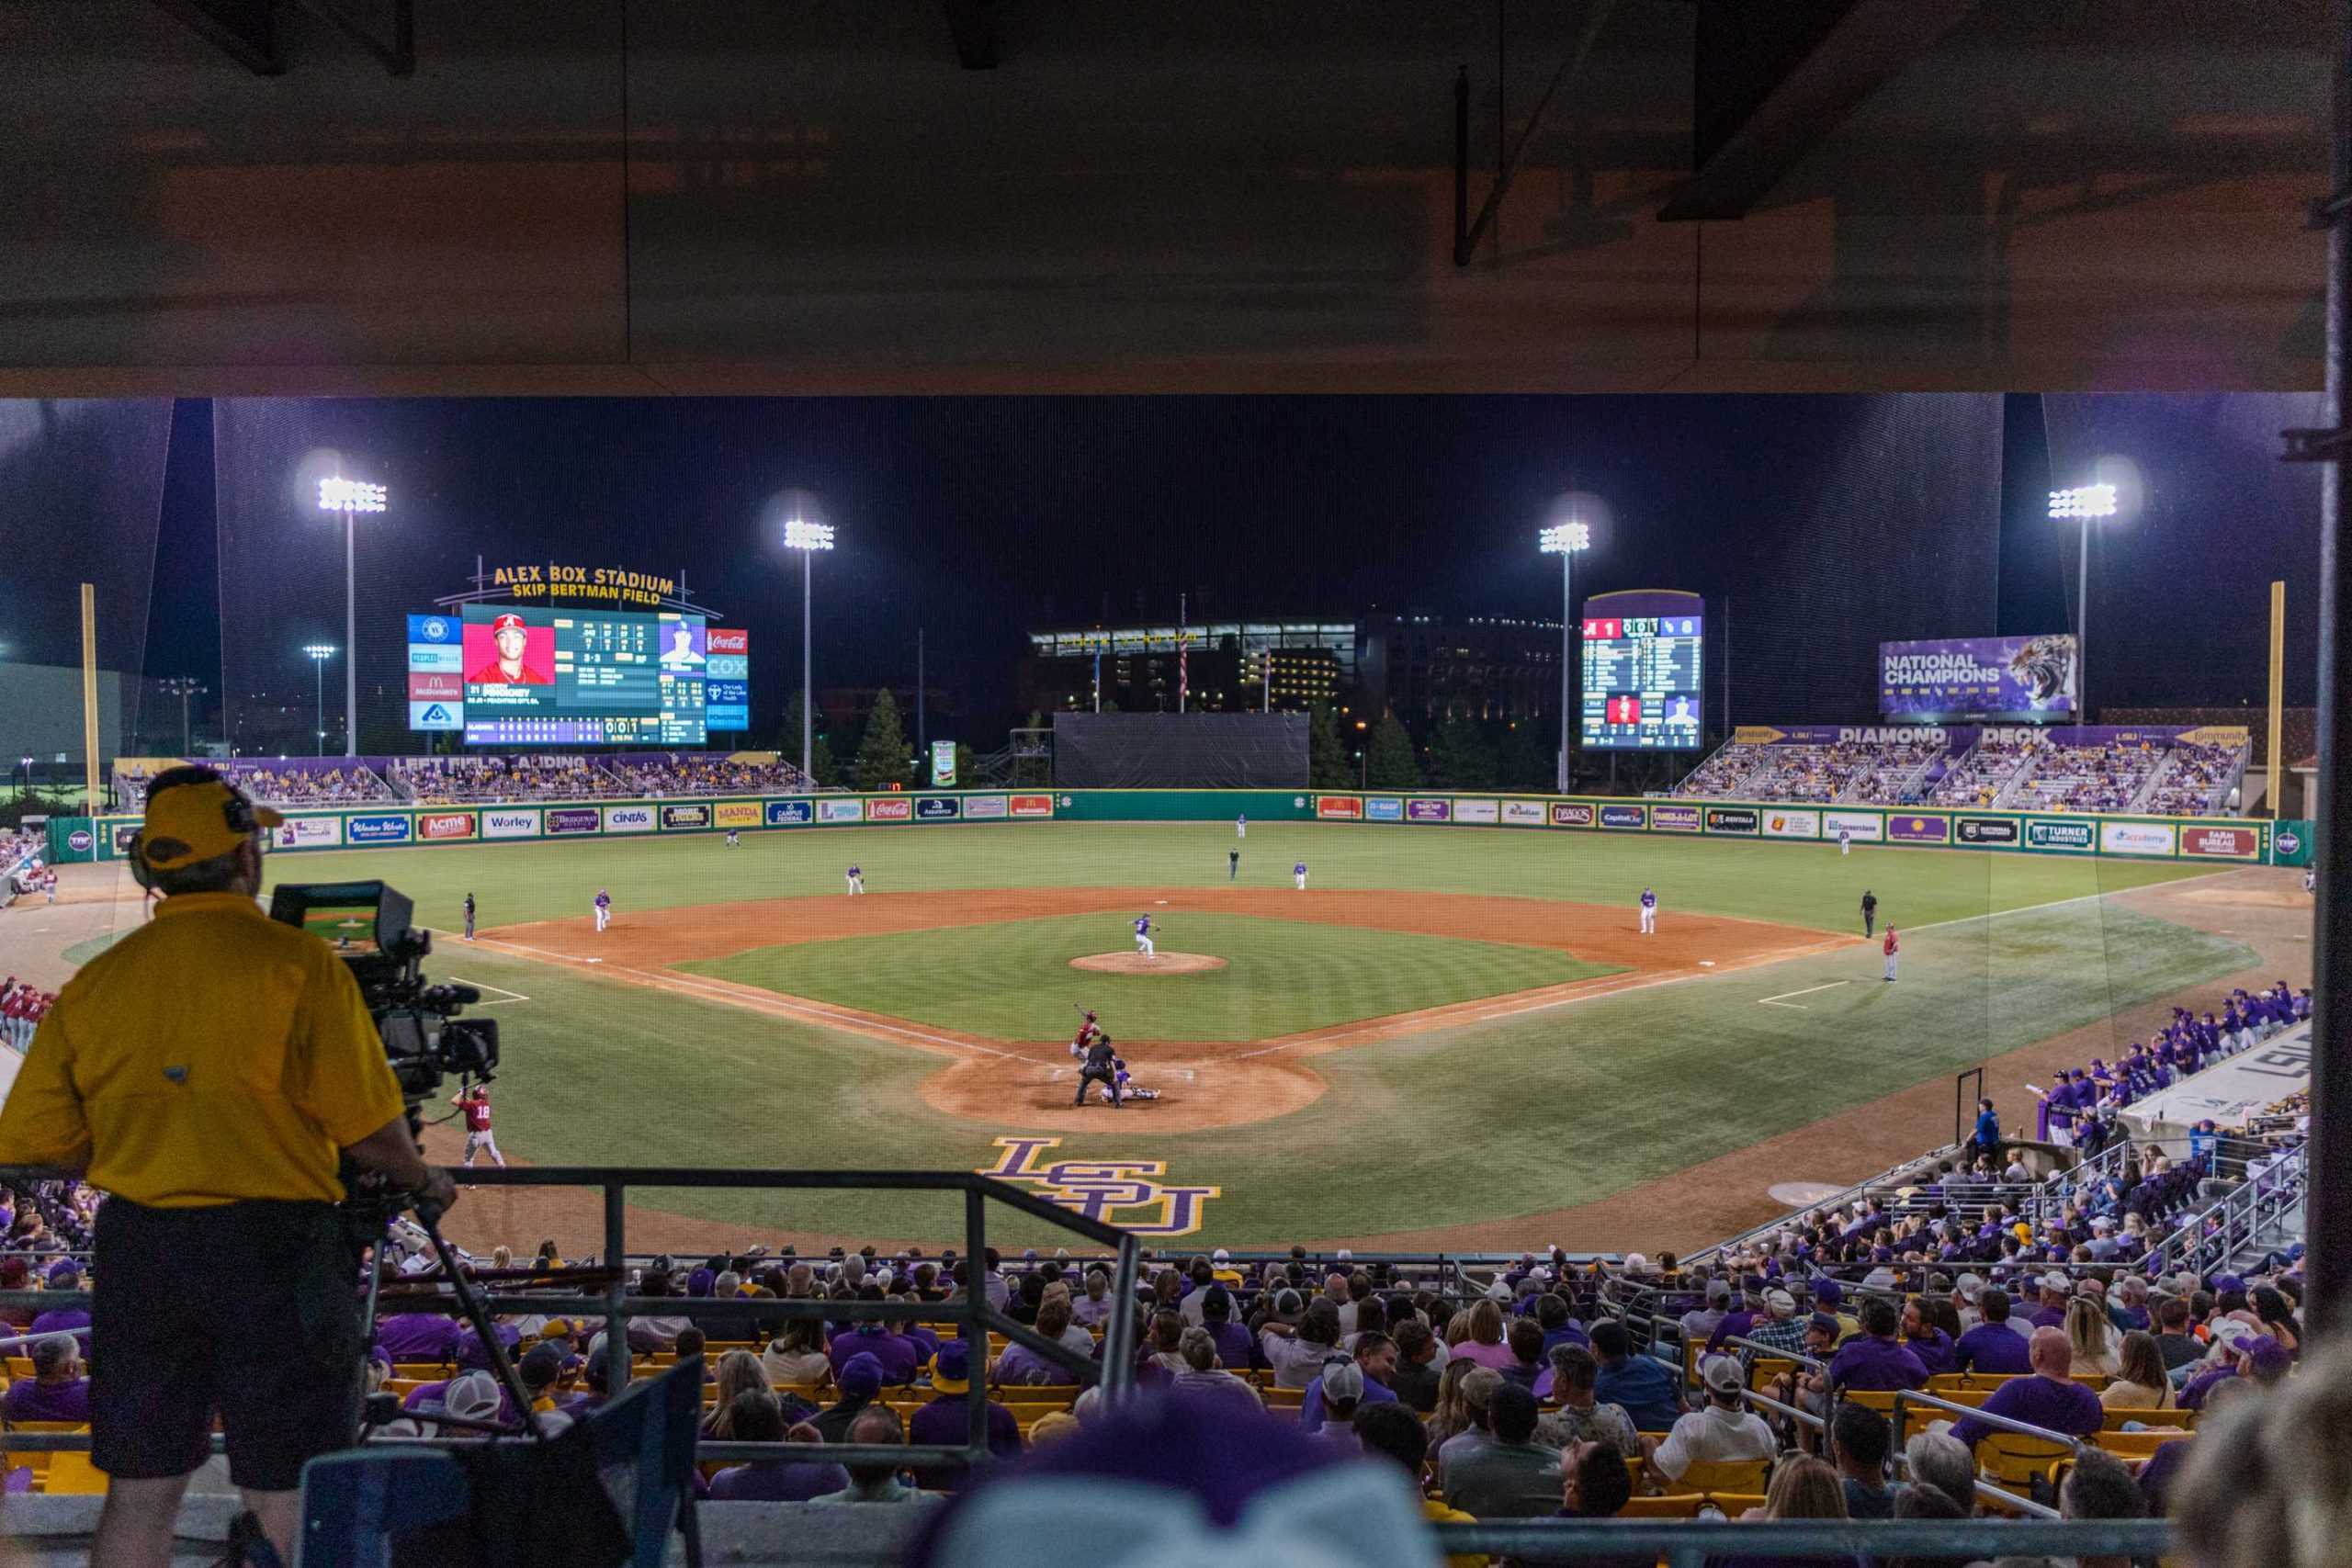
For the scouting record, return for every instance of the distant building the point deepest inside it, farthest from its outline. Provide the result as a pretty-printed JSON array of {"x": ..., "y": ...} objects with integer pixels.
[
  {"x": 1311, "y": 662},
  {"x": 1426, "y": 668}
]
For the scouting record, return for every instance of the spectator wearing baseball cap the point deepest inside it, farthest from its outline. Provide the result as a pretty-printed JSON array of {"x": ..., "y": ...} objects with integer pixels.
[
  {"x": 1340, "y": 1389},
  {"x": 947, "y": 1419},
  {"x": 860, "y": 1379},
  {"x": 2255, "y": 1357},
  {"x": 1724, "y": 1432},
  {"x": 1639, "y": 1385},
  {"x": 1781, "y": 1329},
  {"x": 63, "y": 1275}
]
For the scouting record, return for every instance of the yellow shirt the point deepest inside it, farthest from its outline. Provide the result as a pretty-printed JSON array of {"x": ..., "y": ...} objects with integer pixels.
[
  {"x": 1437, "y": 1512},
  {"x": 211, "y": 1056}
]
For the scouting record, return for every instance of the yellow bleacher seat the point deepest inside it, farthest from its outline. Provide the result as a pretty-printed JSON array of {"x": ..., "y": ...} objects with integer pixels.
[
  {"x": 1725, "y": 1476},
  {"x": 2014, "y": 1459},
  {"x": 1284, "y": 1398},
  {"x": 1735, "y": 1503},
  {"x": 2136, "y": 1445},
  {"x": 2118, "y": 1414},
  {"x": 1673, "y": 1505},
  {"x": 1879, "y": 1399},
  {"x": 70, "y": 1470},
  {"x": 20, "y": 1366},
  {"x": 1768, "y": 1368},
  {"x": 36, "y": 1460}
]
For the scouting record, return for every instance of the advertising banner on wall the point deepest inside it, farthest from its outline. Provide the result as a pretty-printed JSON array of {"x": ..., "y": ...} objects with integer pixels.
[
  {"x": 1033, "y": 805},
  {"x": 1623, "y": 816},
  {"x": 735, "y": 813},
  {"x": 892, "y": 809},
  {"x": 628, "y": 819},
  {"x": 2029, "y": 679},
  {"x": 1383, "y": 808},
  {"x": 1481, "y": 811},
  {"x": 2220, "y": 843},
  {"x": 1339, "y": 807},
  {"x": 511, "y": 824},
  {"x": 937, "y": 808},
  {"x": 441, "y": 825},
  {"x": 1731, "y": 819},
  {"x": 833, "y": 810},
  {"x": 2137, "y": 838},
  {"x": 1919, "y": 830},
  {"x": 1524, "y": 813},
  {"x": 1668, "y": 818},
  {"x": 574, "y": 819},
  {"x": 694, "y": 816},
  {"x": 790, "y": 813},
  {"x": 1428, "y": 811},
  {"x": 980, "y": 807},
  {"x": 308, "y": 833},
  {"x": 376, "y": 829},
  {"x": 1987, "y": 831},
  {"x": 1785, "y": 824},
  {"x": 943, "y": 764},
  {"x": 1571, "y": 814},
  {"x": 2056, "y": 833},
  {"x": 1862, "y": 827}
]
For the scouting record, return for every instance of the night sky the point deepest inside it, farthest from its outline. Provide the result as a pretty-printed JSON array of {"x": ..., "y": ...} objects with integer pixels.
[{"x": 979, "y": 518}]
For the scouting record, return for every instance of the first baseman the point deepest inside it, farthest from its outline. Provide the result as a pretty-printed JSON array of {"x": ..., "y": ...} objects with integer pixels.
[
  {"x": 1299, "y": 874},
  {"x": 1649, "y": 912},
  {"x": 1890, "y": 947},
  {"x": 603, "y": 908},
  {"x": 857, "y": 879},
  {"x": 1143, "y": 937}
]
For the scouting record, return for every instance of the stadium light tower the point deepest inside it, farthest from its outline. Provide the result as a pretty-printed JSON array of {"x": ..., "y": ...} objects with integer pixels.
[
  {"x": 807, "y": 538},
  {"x": 2084, "y": 504},
  {"x": 320, "y": 653},
  {"x": 1563, "y": 540},
  {"x": 183, "y": 687},
  {"x": 349, "y": 497}
]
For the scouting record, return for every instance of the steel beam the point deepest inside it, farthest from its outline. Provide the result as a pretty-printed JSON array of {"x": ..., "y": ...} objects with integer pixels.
[{"x": 244, "y": 30}]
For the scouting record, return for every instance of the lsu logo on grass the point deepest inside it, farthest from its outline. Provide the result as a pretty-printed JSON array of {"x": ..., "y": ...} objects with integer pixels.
[{"x": 1101, "y": 1189}]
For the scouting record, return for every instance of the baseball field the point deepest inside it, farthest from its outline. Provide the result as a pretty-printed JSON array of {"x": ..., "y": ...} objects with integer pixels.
[{"x": 1453, "y": 1037}]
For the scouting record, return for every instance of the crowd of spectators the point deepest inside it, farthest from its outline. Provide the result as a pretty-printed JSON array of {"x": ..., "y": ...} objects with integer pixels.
[
  {"x": 501, "y": 780},
  {"x": 1886, "y": 776},
  {"x": 687, "y": 773},
  {"x": 1722, "y": 774},
  {"x": 2198, "y": 777},
  {"x": 2080, "y": 1106},
  {"x": 289, "y": 784},
  {"x": 2108, "y": 777},
  {"x": 1978, "y": 778},
  {"x": 1875, "y": 771}
]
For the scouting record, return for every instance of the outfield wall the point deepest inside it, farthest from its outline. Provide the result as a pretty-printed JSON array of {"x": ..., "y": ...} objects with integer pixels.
[{"x": 2207, "y": 839}]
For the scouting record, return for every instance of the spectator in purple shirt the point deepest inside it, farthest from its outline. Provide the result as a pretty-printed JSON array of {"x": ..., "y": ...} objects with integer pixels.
[
  {"x": 946, "y": 1420},
  {"x": 1740, "y": 1321},
  {"x": 63, "y": 1275},
  {"x": 2257, "y": 1357},
  {"x": 754, "y": 1417},
  {"x": 57, "y": 1391},
  {"x": 2056, "y": 1288},
  {"x": 418, "y": 1336},
  {"x": 1874, "y": 1359},
  {"x": 1232, "y": 1339},
  {"x": 1375, "y": 1359},
  {"x": 899, "y": 1355},
  {"x": 1994, "y": 1347},
  {"x": 2049, "y": 1398},
  {"x": 1931, "y": 1344}
]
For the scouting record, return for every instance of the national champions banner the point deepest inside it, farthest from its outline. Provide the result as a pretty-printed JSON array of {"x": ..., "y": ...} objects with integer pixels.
[{"x": 2027, "y": 679}]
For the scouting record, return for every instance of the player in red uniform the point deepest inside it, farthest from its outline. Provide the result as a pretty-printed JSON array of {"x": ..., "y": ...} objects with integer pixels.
[
  {"x": 475, "y": 1103},
  {"x": 1088, "y": 1033}
]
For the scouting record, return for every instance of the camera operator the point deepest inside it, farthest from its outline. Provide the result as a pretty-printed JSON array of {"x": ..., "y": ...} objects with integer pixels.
[{"x": 204, "y": 1072}]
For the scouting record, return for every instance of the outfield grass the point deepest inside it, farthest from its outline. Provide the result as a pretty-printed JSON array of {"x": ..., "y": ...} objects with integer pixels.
[
  {"x": 1014, "y": 981},
  {"x": 1800, "y": 884}
]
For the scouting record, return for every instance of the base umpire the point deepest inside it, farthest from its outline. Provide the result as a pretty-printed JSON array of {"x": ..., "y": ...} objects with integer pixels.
[{"x": 205, "y": 1072}]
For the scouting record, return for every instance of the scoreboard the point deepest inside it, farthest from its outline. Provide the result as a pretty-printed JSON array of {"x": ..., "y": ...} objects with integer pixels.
[
  {"x": 1644, "y": 672},
  {"x": 529, "y": 675}
]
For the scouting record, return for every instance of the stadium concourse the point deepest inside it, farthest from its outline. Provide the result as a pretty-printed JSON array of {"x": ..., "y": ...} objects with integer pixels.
[{"x": 492, "y": 779}]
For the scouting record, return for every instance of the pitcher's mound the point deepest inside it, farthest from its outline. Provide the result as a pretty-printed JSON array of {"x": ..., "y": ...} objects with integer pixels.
[{"x": 1136, "y": 963}]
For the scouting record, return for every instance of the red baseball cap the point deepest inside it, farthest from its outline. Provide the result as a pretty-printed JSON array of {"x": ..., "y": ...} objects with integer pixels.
[{"x": 505, "y": 621}]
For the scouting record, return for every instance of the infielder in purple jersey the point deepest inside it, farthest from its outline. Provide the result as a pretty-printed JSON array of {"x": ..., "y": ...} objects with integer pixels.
[{"x": 1649, "y": 912}]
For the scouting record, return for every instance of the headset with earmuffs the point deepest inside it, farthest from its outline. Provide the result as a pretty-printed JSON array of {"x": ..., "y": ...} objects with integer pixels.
[{"x": 237, "y": 811}]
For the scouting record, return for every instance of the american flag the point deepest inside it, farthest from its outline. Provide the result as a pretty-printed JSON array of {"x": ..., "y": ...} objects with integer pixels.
[{"x": 1184, "y": 652}]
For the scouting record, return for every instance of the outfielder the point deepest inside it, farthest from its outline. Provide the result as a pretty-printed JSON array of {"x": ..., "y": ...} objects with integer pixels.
[
  {"x": 733, "y": 838},
  {"x": 1099, "y": 1066},
  {"x": 1845, "y": 843},
  {"x": 470, "y": 917},
  {"x": 1890, "y": 947},
  {"x": 1298, "y": 876},
  {"x": 1241, "y": 826},
  {"x": 857, "y": 879},
  {"x": 475, "y": 1103},
  {"x": 1649, "y": 912},
  {"x": 1143, "y": 938},
  {"x": 603, "y": 908}
]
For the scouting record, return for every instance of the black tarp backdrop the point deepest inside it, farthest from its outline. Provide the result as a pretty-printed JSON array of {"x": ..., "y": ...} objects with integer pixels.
[
  {"x": 80, "y": 483},
  {"x": 1170, "y": 750}
]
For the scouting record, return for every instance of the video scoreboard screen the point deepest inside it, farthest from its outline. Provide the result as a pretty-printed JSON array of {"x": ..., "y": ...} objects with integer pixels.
[
  {"x": 1644, "y": 686},
  {"x": 531, "y": 675}
]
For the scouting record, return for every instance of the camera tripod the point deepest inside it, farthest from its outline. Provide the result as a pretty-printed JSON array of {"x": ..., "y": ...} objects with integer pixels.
[{"x": 376, "y": 1209}]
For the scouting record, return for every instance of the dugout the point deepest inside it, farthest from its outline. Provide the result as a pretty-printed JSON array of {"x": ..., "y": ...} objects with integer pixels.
[{"x": 1161, "y": 750}]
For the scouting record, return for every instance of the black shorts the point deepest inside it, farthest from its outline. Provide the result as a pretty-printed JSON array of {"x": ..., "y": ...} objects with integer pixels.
[{"x": 249, "y": 1310}]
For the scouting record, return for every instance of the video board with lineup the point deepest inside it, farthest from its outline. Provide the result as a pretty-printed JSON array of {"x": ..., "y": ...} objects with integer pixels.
[
  {"x": 1644, "y": 672},
  {"x": 529, "y": 675}
]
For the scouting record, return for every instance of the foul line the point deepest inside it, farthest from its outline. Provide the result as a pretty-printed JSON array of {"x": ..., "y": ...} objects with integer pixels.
[
  {"x": 1777, "y": 1003},
  {"x": 503, "y": 996}
]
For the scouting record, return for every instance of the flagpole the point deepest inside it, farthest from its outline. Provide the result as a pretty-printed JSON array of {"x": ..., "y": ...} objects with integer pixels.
[{"x": 1183, "y": 651}]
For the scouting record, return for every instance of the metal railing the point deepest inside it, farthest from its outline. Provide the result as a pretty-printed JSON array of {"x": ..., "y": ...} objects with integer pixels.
[
  {"x": 615, "y": 1306},
  {"x": 1688, "y": 1544},
  {"x": 2209, "y": 1237}
]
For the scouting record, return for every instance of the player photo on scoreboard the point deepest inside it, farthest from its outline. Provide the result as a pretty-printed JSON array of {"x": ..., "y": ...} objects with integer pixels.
[{"x": 509, "y": 657}]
